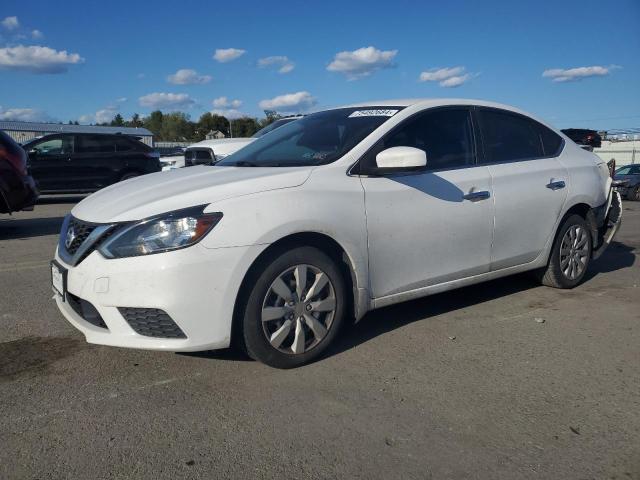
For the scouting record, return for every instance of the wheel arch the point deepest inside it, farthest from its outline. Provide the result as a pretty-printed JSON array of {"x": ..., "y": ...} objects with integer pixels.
[{"x": 322, "y": 242}]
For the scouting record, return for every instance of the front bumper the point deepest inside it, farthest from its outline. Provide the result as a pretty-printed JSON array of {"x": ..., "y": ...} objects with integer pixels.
[{"x": 196, "y": 286}]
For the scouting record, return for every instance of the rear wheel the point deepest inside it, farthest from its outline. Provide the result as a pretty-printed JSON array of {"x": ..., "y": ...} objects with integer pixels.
[
  {"x": 295, "y": 309},
  {"x": 570, "y": 255}
]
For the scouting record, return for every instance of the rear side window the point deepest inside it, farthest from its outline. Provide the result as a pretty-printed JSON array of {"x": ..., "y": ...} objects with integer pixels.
[
  {"x": 509, "y": 137},
  {"x": 446, "y": 136},
  {"x": 124, "y": 145},
  {"x": 95, "y": 144},
  {"x": 198, "y": 154},
  {"x": 551, "y": 141}
]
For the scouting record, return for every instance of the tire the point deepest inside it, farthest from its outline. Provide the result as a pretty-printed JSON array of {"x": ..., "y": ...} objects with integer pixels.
[
  {"x": 294, "y": 331},
  {"x": 633, "y": 193},
  {"x": 129, "y": 175},
  {"x": 570, "y": 255}
]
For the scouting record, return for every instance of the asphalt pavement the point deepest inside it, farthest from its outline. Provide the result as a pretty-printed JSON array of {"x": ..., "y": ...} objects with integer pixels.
[{"x": 502, "y": 380}]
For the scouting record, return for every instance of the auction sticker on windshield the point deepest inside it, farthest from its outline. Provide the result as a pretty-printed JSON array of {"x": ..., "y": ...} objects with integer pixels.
[{"x": 373, "y": 113}]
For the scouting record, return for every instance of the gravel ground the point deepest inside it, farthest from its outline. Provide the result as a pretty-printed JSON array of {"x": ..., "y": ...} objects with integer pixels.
[{"x": 502, "y": 380}]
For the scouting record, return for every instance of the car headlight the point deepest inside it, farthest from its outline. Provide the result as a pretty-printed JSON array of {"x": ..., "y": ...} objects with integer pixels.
[{"x": 161, "y": 233}]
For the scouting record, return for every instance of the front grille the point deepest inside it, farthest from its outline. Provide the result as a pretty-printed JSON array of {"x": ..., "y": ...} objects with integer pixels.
[
  {"x": 85, "y": 310},
  {"x": 81, "y": 230},
  {"x": 151, "y": 322},
  {"x": 96, "y": 244}
]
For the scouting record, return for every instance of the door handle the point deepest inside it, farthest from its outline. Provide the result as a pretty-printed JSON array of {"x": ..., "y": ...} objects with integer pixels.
[
  {"x": 556, "y": 184},
  {"x": 475, "y": 196}
]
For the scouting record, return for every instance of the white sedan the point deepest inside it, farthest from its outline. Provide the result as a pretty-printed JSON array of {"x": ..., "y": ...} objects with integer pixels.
[{"x": 326, "y": 218}]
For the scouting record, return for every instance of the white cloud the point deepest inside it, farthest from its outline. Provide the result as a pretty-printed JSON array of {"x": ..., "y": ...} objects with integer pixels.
[
  {"x": 231, "y": 113},
  {"x": 10, "y": 23},
  {"x": 186, "y": 76},
  {"x": 446, "y": 77},
  {"x": 574, "y": 74},
  {"x": 36, "y": 34},
  {"x": 224, "y": 55},
  {"x": 24, "y": 115},
  {"x": 362, "y": 62},
  {"x": 290, "y": 102},
  {"x": 36, "y": 59},
  {"x": 166, "y": 100},
  {"x": 224, "y": 102},
  {"x": 283, "y": 63},
  {"x": 104, "y": 115}
]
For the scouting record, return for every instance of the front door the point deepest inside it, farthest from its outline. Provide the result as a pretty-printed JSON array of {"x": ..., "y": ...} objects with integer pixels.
[
  {"x": 50, "y": 163},
  {"x": 432, "y": 226}
]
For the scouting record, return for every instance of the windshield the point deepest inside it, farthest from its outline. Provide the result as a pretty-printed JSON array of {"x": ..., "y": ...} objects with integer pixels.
[
  {"x": 272, "y": 126},
  {"x": 317, "y": 139}
]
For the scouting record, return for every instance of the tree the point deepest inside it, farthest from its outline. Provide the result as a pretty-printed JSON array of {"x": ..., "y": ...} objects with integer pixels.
[
  {"x": 244, "y": 126},
  {"x": 117, "y": 121},
  {"x": 135, "y": 121},
  {"x": 177, "y": 127},
  {"x": 153, "y": 123},
  {"x": 210, "y": 122}
]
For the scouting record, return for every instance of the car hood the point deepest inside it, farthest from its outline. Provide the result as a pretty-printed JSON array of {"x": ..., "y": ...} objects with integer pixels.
[{"x": 161, "y": 192}]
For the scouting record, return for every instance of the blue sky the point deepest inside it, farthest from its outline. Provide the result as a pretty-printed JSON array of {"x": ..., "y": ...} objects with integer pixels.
[{"x": 88, "y": 60}]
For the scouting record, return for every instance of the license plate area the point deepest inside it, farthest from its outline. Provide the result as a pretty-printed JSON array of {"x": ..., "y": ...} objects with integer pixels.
[{"x": 59, "y": 280}]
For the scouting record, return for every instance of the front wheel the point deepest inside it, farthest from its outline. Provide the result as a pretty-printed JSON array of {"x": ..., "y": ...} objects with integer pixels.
[
  {"x": 570, "y": 255},
  {"x": 295, "y": 309}
]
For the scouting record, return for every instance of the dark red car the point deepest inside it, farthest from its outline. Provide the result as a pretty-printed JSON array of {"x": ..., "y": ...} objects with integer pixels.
[{"x": 17, "y": 188}]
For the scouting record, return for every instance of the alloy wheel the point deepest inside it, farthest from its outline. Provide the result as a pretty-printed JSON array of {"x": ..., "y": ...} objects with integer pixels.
[
  {"x": 298, "y": 309},
  {"x": 574, "y": 252}
]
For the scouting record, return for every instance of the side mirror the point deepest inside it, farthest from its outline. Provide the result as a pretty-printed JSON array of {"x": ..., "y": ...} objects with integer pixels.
[{"x": 401, "y": 158}]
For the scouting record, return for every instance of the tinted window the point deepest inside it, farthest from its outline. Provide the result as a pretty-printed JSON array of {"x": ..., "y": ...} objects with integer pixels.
[
  {"x": 272, "y": 126},
  {"x": 95, "y": 144},
  {"x": 624, "y": 171},
  {"x": 551, "y": 141},
  {"x": 445, "y": 135},
  {"x": 198, "y": 154},
  {"x": 54, "y": 146},
  {"x": 124, "y": 145},
  {"x": 508, "y": 137}
]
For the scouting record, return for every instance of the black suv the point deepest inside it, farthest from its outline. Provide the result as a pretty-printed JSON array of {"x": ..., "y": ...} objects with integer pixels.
[
  {"x": 583, "y": 136},
  {"x": 86, "y": 162}
]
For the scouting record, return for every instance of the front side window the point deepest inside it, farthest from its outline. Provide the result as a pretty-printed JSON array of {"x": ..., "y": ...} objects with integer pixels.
[
  {"x": 317, "y": 139},
  {"x": 54, "y": 147},
  {"x": 509, "y": 137},
  {"x": 446, "y": 136}
]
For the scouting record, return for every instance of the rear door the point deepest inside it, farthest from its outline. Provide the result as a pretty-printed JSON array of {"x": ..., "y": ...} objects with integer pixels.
[
  {"x": 433, "y": 226},
  {"x": 95, "y": 160},
  {"x": 50, "y": 163},
  {"x": 529, "y": 184}
]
